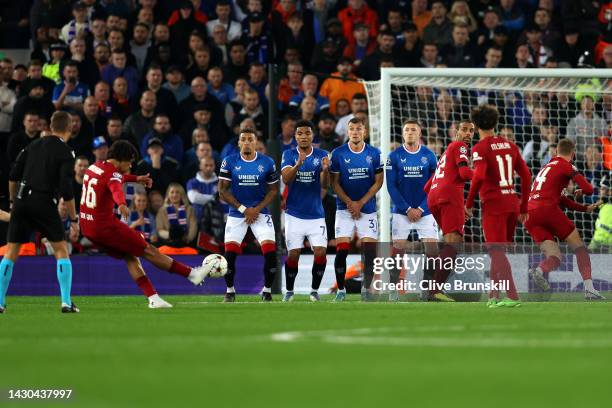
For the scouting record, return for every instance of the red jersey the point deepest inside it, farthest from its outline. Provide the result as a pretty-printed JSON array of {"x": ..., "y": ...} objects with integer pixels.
[
  {"x": 446, "y": 185},
  {"x": 550, "y": 182},
  {"x": 102, "y": 189},
  {"x": 496, "y": 159}
]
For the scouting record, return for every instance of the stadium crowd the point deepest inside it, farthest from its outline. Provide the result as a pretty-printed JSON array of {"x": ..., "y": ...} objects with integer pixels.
[{"x": 179, "y": 78}]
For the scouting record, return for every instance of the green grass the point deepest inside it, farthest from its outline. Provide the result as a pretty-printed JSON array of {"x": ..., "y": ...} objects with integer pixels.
[{"x": 118, "y": 353}]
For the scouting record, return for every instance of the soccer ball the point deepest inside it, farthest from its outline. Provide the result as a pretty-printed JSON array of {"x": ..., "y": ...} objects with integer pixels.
[{"x": 216, "y": 265}]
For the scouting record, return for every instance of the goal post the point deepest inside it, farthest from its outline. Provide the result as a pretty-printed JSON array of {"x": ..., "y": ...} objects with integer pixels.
[{"x": 537, "y": 107}]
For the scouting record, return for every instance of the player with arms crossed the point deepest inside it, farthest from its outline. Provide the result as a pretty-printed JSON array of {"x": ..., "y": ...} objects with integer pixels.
[
  {"x": 547, "y": 220},
  {"x": 496, "y": 160},
  {"x": 248, "y": 182},
  {"x": 357, "y": 175},
  {"x": 102, "y": 190},
  {"x": 446, "y": 201},
  {"x": 305, "y": 171},
  {"x": 408, "y": 170}
]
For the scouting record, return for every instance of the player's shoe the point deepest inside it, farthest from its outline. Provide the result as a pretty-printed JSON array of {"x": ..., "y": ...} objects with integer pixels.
[
  {"x": 288, "y": 296},
  {"x": 69, "y": 308},
  {"x": 198, "y": 274},
  {"x": 492, "y": 303},
  {"x": 230, "y": 297},
  {"x": 266, "y": 297},
  {"x": 593, "y": 294},
  {"x": 366, "y": 296},
  {"x": 2, "y": 309},
  {"x": 156, "y": 302},
  {"x": 314, "y": 297},
  {"x": 538, "y": 277},
  {"x": 393, "y": 296},
  {"x": 508, "y": 303},
  {"x": 340, "y": 296},
  {"x": 441, "y": 297}
]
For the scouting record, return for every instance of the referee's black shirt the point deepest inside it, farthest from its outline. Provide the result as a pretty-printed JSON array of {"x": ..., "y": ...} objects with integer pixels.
[{"x": 46, "y": 166}]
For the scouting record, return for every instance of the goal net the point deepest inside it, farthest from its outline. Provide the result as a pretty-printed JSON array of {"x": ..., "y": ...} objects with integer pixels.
[{"x": 538, "y": 107}]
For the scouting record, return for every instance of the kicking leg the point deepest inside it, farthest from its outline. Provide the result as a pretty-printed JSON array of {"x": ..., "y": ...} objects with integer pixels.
[
  {"x": 195, "y": 275},
  {"x": 552, "y": 260},
  {"x": 584, "y": 265}
]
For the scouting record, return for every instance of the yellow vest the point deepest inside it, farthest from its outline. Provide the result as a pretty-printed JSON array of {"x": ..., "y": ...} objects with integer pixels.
[
  {"x": 52, "y": 71},
  {"x": 603, "y": 226}
]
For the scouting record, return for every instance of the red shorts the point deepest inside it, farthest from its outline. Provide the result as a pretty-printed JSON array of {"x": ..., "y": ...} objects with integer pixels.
[
  {"x": 499, "y": 228},
  {"x": 546, "y": 223},
  {"x": 117, "y": 240},
  {"x": 450, "y": 217}
]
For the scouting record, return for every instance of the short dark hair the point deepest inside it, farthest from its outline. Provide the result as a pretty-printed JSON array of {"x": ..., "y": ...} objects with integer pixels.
[
  {"x": 248, "y": 130},
  {"x": 61, "y": 122},
  {"x": 485, "y": 116},
  {"x": 565, "y": 147},
  {"x": 81, "y": 157},
  {"x": 412, "y": 122},
  {"x": 122, "y": 151},
  {"x": 359, "y": 95},
  {"x": 304, "y": 123},
  {"x": 31, "y": 113},
  {"x": 356, "y": 121}
]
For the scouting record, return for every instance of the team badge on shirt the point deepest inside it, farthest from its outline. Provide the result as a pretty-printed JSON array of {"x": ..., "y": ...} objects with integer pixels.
[
  {"x": 260, "y": 168},
  {"x": 369, "y": 159},
  {"x": 315, "y": 161},
  {"x": 423, "y": 160}
]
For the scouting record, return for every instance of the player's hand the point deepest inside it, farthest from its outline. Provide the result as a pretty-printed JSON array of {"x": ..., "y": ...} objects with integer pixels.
[
  {"x": 250, "y": 215},
  {"x": 74, "y": 231},
  {"x": 301, "y": 158},
  {"x": 69, "y": 87},
  {"x": 325, "y": 164},
  {"x": 469, "y": 213},
  {"x": 592, "y": 207},
  {"x": 414, "y": 214},
  {"x": 523, "y": 218},
  {"x": 145, "y": 180},
  {"x": 124, "y": 211},
  {"x": 357, "y": 206},
  {"x": 578, "y": 193},
  {"x": 138, "y": 223}
]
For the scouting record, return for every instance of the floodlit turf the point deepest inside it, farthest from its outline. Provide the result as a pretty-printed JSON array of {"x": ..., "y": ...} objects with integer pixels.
[{"x": 118, "y": 353}]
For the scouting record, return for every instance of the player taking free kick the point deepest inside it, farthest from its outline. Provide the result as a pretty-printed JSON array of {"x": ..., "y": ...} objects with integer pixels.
[
  {"x": 496, "y": 159},
  {"x": 547, "y": 220},
  {"x": 102, "y": 189}
]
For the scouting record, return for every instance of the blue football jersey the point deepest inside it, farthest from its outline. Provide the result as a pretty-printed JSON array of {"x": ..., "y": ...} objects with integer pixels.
[
  {"x": 407, "y": 174},
  {"x": 357, "y": 173},
  {"x": 249, "y": 179},
  {"x": 304, "y": 198}
]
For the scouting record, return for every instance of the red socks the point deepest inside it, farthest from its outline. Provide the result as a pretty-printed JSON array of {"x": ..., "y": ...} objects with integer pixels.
[
  {"x": 442, "y": 273},
  {"x": 584, "y": 262},
  {"x": 146, "y": 286},
  {"x": 179, "y": 268},
  {"x": 502, "y": 271},
  {"x": 549, "y": 264}
]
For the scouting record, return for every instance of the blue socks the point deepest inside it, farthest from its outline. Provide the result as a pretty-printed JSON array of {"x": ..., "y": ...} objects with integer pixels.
[
  {"x": 64, "y": 276},
  {"x": 6, "y": 271}
]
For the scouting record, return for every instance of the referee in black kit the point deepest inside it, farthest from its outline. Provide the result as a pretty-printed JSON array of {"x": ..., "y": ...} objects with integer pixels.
[{"x": 42, "y": 170}]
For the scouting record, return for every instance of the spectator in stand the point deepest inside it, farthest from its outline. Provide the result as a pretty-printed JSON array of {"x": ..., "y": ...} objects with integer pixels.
[
  {"x": 490, "y": 21},
  {"x": 493, "y": 57},
  {"x": 175, "y": 83},
  {"x": 237, "y": 66},
  {"x": 34, "y": 101},
  {"x": 220, "y": 42},
  {"x": 199, "y": 95},
  {"x": 460, "y": 53},
  {"x": 120, "y": 102},
  {"x": 325, "y": 56},
  {"x": 8, "y": 99},
  {"x": 445, "y": 115},
  {"x": 202, "y": 188},
  {"x": 139, "y": 123},
  {"x": 357, "y": 11},
  {"x": 533, "y": 136},
  {"x": 421, "y": 16},
  {"x": 362, "y": 46},
  {"x": 114, "y": 131},
  {"x": 606, "y": 60},
  {"x": 141, "y": 219},
  {"x": 119, "y": 68},
  {"x": 393, "y": 23},
  {"x": 93, "y": 122},
  {"x": 252, "y": 109},
  {"x": 20, "y": 139},
  {"x": 290, "y": 86},
  {"x": 79, "y": 142},
  {"x": 585, "y": 129},
  {"x": 408, "y": 51},
  {"x": 35, "y": 76},
  {"x": 234, "y": 107},
  {"x": 359, "y": 103},
  {"x": 222, "y": 91},
  {"x": 199, "y": 136},
  {"x": 593, "y": 170},
  {"x": 78, "y": 26},
  {"x": 538, "y": 52},
  {"x": 328, "y": 138},
  {"x": 223, "y": 12},
  {"x": 460, "y": 13},
  {"x": 200, "y": 63},
  {"x": 51, "y": 69},
  {"x": 163, "y": 170},
  {"x": 257, "y": 80},
  {"x": 310, "y": 84},
  {"x": 287, "y": 133},
  {"x": 182, "y": 23},
  {"x": 81, "y": 163},
  {"x": 551, "y": 37},
  {"x": 99, "y": 149},
  {"x": 260, "y": 45},
  {"x": 88, "y": 70},
  {"x": 430, "y": 56},
  {"x": 522, "y": 57},
  {"x": 101, "y": 57},
  {"x": 166, "y": 102},
  {"x": 98, "y": 32},
  {"x": 139, "y": 45},
  {"x": 343, "y": 108},
  {"x": 343, "y": 84},
  {"x": 308, "y": 109},
  {"x": 439, "y": 30},
  {"x": 202, "y": 119},
  {"x": 176, "y": 221},
  {"x": 512, "y": 16},
  {"x": 574, "y": 46},
  {"x": 162, "y": 130},
  {"x": 70, "y": 94}
]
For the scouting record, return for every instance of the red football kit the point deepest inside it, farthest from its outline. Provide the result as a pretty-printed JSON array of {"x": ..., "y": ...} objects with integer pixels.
[
  {"x": 102, "y": 189},
  {"x": 546, "y": 219},
  {"x": 496, "y": 159},
  {"x": 445, "y": 188}
]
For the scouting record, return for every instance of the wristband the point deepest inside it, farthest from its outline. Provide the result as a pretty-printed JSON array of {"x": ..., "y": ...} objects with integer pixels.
[
  {"x": 76, "y": 220},
  {"x": 242, "y": 209}
]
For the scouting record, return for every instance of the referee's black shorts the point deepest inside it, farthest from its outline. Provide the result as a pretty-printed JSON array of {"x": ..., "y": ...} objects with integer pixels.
[{"x": 35, "y": 212}]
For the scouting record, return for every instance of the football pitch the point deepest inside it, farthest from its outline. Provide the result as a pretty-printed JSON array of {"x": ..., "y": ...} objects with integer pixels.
[{"x": 118, "y": 353}]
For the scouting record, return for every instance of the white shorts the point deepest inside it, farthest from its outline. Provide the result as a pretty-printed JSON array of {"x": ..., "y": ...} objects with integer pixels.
[
  {"x": 426, "y": 227},
  {"x": 296, "y": 229},
  {"x": 366, "y": 225},
  {"x": 263, "y": 229}
]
